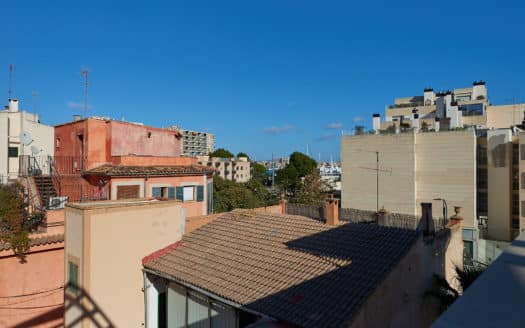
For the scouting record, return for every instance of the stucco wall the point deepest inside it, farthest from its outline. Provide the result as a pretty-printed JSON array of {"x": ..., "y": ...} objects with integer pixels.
[
  {"x": 446, "y": 168},
  {"x": 396, "y": 179},
  {"x": 499, "y": 171},
  {"x": 119, "y": 237},
  {"x": 504, "y": 116},
  {"x": 129, "y": 139}
]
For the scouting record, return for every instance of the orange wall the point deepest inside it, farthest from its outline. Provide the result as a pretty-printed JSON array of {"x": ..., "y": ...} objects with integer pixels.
[
  {"x": 153, "y": 160},
  {"x": 42, "y": 272},
  {"x": 193, "y": 208},
  {"x": 104, "y": 139}
]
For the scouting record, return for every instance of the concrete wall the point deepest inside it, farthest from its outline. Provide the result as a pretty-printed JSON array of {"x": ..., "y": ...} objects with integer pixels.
[
  {"x": 504, "y": 116},
  {"x": 499, "y": 171},
  {"x": 116, "y": 236},
  {"x": 521, "y": 141},
  {"x": 446, "y": 168},
  {"x": 4, "y": 142},
  {"x": 401, "y": 300},
  {"x": 396, "y": 179}
]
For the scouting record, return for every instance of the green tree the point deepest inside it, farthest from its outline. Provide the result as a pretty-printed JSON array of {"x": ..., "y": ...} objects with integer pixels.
[
  {"x": 311, "y": 190},
  {"x": 241, "y": 154},
  {"x": 287, "y": 178},
  {"x": 222, "y": 153},
  {"x": 13, "y": 217},
  {"x": 229, "y": 195},
  {"x": 259, "y": 173},
  {"x": 302, "y": 163}
]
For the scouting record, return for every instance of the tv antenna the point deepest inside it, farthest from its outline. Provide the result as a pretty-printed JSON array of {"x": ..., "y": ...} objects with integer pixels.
[
  {"x": 34, "y": 94},
  {"x": 378, "y": 170},
  {"x": 84, "y": 73},
  {"x": 11, "y": 69}
]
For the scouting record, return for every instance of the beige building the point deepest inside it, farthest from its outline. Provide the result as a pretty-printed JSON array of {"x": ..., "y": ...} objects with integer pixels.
[
  {"x": 397, "y": 172},
  {"x": 237, "y": 170},
  {"x": 104, "y": 245},
  {"x": 25, "y": 143},
  {"x": 195, "y": 143}
]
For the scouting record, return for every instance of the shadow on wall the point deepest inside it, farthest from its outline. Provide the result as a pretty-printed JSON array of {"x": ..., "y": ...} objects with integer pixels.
[{"x": 77, "y": 301}]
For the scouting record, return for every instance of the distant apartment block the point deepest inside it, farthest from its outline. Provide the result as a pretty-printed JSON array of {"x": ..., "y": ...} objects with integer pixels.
[
  {"x": 23, "y": 137},
  {"x": 237, "y": 170},
  {"x": 451, "y": 146},
  {"x": 195, "y": 143}
]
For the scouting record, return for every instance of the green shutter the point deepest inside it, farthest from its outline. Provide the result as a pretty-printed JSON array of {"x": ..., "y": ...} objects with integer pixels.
[
  {"x": 200, "y": 193},
  {"x": 156, "y": 192},
  {"x": 12, "y": 152},
  {"x": 73, "y": 277},
  {"x": 171, "y": 193},
  {"x": 179, "y": 193}
]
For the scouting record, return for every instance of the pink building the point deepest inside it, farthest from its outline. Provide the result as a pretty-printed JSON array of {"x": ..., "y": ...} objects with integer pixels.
[{"x": 97, "y": 158}]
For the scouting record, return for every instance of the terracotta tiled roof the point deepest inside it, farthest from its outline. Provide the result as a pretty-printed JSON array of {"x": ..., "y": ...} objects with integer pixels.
[
  {"x": 38, "y": 241},
  {"x": 157, "y": 170},
  {"x": 287, "y": 267}
]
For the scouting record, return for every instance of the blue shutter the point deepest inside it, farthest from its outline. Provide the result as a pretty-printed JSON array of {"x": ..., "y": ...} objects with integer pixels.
[
  {"x": 171, "y": 193},
  {"x": 179, "y": 193},
  {"x": 156, "y": 192},
  {"x": 200, "y": 193}
]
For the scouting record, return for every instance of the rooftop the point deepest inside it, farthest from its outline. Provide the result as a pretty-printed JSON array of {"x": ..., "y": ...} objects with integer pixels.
[
  {"x": 157, "y": 170},
  {"x": 287, "y": 267}
]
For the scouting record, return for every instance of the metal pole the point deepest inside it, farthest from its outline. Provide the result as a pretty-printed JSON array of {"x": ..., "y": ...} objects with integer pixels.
[{"x": 377, "y": 181}]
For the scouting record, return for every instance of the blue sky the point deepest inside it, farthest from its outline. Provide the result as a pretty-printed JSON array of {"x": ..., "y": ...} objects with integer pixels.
[{"x": 264, "y": 76}]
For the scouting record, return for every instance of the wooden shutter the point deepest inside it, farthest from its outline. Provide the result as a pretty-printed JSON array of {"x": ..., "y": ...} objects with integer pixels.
[
  {"x": 171, "y": 193},
  {"x": 126, "y": 192},
  {"x": 156, "y": 192},
  {"x": 200, "y": 193},
  {"x": 179, "y": 193}
]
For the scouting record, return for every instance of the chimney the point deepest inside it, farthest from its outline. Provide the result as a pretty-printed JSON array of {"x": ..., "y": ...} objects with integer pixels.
[
  {"x": 397, "y": 127},
  {"x": 426, "y": 219},
  {"x": 415, "y": 122},
  {"x": 436, "y": 124},
  {"x": 456, "y": 218},
  {"x": 331, "y": 210},
  {"x": 77, "y": 117},
  {"x": 13, "y": 105},
  {"x": 376, "y": 122},
  {"x": 282, "y": 203}
]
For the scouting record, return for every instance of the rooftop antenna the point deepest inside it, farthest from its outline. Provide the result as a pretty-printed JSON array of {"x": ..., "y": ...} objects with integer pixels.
[
  {"x": 11, "y": 69},
  {"x": 34, "y": 94},
  {"x": 377, "y": 169},
  {"x": 84, "y": 73}
]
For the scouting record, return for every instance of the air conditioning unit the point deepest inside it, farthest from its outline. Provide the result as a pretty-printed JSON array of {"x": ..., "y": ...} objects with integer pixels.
[{"x": 57, "y": 202}]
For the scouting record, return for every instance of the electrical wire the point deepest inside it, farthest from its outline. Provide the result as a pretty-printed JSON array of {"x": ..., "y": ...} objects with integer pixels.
[{"x": 35, "y": 293}]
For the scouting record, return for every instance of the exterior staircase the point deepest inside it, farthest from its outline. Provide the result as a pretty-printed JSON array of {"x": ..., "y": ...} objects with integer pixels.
[{"x": 45, "y": 187}]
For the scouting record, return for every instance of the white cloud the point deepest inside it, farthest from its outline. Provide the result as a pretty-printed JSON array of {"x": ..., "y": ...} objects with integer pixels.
[
  {"x": 275, "y": 130},
  {"x": 327, "y": 136},
  {"x": 358, "y": 119},
  {"x": 335, "y": 126}
]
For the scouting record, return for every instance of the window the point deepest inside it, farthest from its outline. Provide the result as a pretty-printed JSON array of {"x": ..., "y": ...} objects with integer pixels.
[
  {"x": 189, "y": 193},
  {"x": 57, "y": 142},
  {"x": 12, "y": 152},
  {"x": 163, "y": 192},
  {"x": 73, "y": 277},
  {"x": 128, "y": 192}
]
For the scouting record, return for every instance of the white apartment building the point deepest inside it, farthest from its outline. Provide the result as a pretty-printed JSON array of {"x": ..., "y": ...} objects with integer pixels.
[
  {"x": 237, "y": 170},
  {"x": 23, "y": 142}
]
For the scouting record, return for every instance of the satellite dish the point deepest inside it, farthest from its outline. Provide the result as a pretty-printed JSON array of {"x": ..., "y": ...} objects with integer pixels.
[
  {"x": 25, "y": 138},
  {"x": 34, "y": 150}
]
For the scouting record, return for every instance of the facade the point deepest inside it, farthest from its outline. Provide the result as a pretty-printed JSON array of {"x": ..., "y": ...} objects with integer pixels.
[
  {"x": 196, "y": 143},
  {"x": 23, "y": 137},
  {"x": 307, "y": 273},
  {"x": 237, "y": 170},
  {"x": 32, "y": 292},
  {"x": 451, "y": 145},
  {"x": 104, "y": 244}
]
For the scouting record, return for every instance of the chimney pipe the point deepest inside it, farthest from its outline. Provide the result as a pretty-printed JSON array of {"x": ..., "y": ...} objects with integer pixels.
[
  {"x": 415, "y": 122},
  {"x": 376, "y": 122},
  {"x": 396, "y": 126},
  {"x": 332, "y": 211},
  {"x": 436, "y": 124},
  {"x": 13, "y": 105},
  {"x": 426, "y": 219},
  {"x": 77, "y": 117}
]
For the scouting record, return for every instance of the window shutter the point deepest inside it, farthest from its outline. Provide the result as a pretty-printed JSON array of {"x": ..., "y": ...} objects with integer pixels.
[
  {"x": 200, "y": 193},
  {"x": 156, "y": 192},
  {"x": 171, "y": 193},
  {"x": 179, "y": 193}
]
